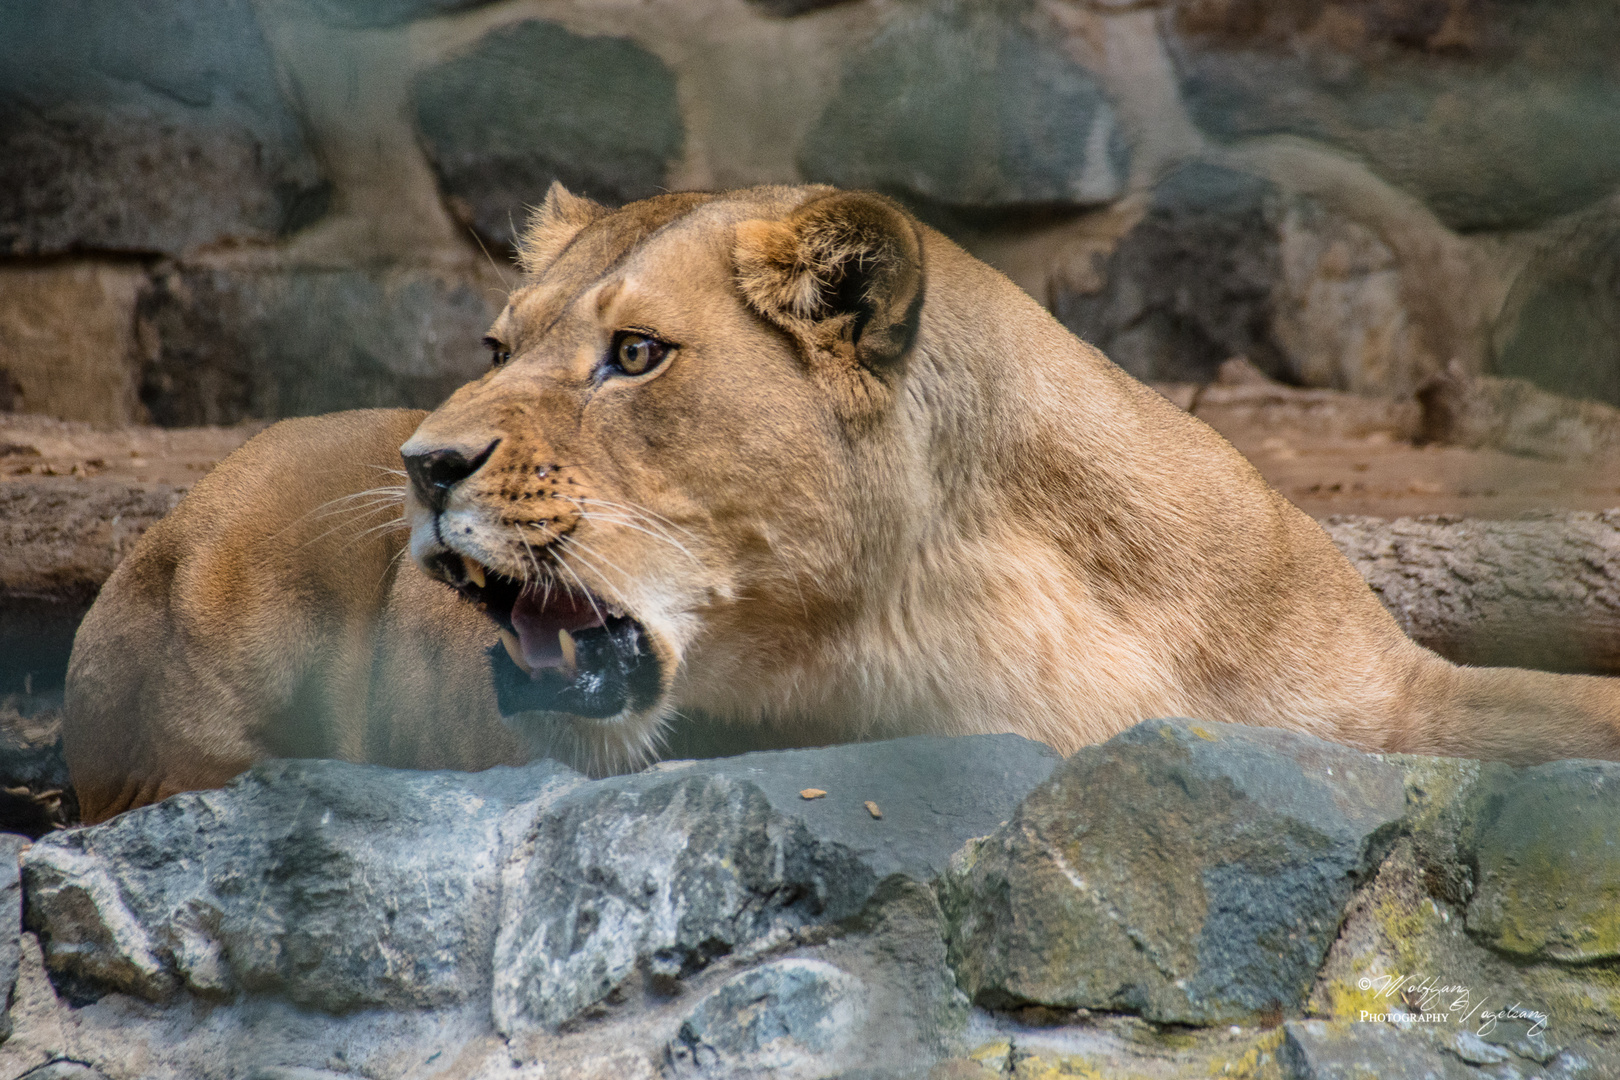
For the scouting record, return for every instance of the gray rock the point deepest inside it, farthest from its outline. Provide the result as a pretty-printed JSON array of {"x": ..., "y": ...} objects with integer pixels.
[
  {"x": 1186, "y": 872},
  {"x": 788, "y": 8},
  {"x": 783, "y": 1018},
  {"x": 934, "y": 793},
  {"x": 367, "y": 13},
  {"x": 340, "y": 887},
  {"x": 231, "y": 344},
  {"x": 1192, "y": 284},
  {"x": 533, "y": 102},
  {"x": 876, "y": 1000},
  {"x": 1500, "y": 119},
  {"x": 1546, "y": 852},
  {"x": 656, "y": 875},
  {"x": 146, "y": 126},
  {"x": 964, "y": 104},
  {"x": 63, "y": 1069},
  {"x": 663, "y": 879},
  {"x": 11, "y": 900},
  {"x": 1322, "y": 1050},
  {"x": 1561, "y": 322},
  {"x": 914, "y": 1012},
  {"x": 334, "y": 886}
]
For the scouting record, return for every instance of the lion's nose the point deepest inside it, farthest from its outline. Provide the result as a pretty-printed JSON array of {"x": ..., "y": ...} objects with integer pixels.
[{"x": 434, "y": 472}]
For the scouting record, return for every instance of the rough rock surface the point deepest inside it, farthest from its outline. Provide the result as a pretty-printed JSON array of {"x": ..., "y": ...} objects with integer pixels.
[
  {"x": 1190, "y": 285},
  {"x": 1560, "y": 326},
  {"x": 158, "y": 128},
  {"x": 685, "y": 864},
  {"x": 768, "y": 1020},
  {"x": 534, "y": 102},
  {"x": 231, "y": 344},
  {"x": 1321, "y": 1050},
  {"x": 1496, "y": 114},
  {"x": 320, "y": 919},
  {"x": 965, "y": 105},
  {"x": 288, "y": 883},
  {"x": 665, "y": 876},
  {"x": 1207, "y": 886},
  {"x": 11, "y": 905},
  {"x": 1224, "y": 263},
  {"x": 1546, "y": 855},
  {"x": 282, "y": 884}
]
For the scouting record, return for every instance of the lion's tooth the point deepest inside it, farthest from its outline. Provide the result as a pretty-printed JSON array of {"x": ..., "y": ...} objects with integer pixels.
[
  {"x": 514, "y": 649},
  {"x": 566, "y": 640},
  {"x": 475, "y": 571}
]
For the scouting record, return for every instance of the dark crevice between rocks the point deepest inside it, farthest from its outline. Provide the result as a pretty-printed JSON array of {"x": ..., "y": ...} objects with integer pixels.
[{"x": 36, "y": 795}]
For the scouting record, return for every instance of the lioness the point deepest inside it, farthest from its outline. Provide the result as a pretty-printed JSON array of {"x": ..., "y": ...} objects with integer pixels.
[{"x": 783, "y": 457}]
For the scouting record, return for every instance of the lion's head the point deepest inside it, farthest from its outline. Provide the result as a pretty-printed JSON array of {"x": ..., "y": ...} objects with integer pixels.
[{"x": 688, "y": 447}]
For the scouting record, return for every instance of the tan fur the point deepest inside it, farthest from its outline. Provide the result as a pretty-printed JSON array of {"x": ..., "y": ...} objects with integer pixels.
[{"x": 877, "y": 491}]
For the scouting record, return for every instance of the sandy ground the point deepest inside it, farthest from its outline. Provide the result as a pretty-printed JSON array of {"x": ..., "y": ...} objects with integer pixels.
[
  {"x": 1379, "y": 476},
  {"x": 35, "y": 448}
]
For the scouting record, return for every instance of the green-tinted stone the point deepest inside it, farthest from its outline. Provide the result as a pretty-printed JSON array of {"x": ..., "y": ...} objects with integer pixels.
[
  {"x": 233, "y": 344},
  {"x": 964, "y": 104},
  {"x": 146, "y": 125},
  {"x": 534, "y": 102},
  {"x": 1502, "y": 119},
  {"x": 1186, "y": 872},
  {"x": 1546, "y": 846}
]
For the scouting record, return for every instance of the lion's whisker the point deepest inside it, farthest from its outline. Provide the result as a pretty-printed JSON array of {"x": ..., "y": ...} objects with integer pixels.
[
  {"x": 589, "y": 515},
  {"x": 589, "y": 597},
  {"x": 596, "y": 560},
  {"x": 650, "y": 516}
]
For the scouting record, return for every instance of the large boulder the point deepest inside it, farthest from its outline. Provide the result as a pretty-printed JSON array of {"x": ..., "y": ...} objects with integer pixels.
[
  {"x": 1189, "y": 873},
  {"x": 1560, "y": 325},
  {"x": 965, "y": 105},
  {"x": 146, "y": 126},
  {"x": 1191, "y": 285},
  {"x": 369, "y": 13},
  {"x": 1546, "y": 853},
  {"x": 1496, "y": 113},
  {"x": 533, "y": 102},
  {"x": 1225, "y": 263},
  {"x": 662, "y": 873},
  {"x": 531, "y": 894},
  {"x": 226, "y": 344},
  {"x": 329, "y": 885}
]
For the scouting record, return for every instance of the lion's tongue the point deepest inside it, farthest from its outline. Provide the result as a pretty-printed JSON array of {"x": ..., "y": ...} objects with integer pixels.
[{"x": 537, "y": 617}]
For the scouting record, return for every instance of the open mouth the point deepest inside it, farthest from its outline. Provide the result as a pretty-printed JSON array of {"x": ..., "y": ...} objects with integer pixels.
[{"x": 562, "y": 650}]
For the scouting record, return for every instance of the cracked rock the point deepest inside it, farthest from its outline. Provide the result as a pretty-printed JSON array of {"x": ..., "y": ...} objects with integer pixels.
[{"x": 1204, "y": 887}]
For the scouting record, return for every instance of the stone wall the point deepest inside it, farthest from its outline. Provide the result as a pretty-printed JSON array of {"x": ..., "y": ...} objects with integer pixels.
[
  {"x": 1185, "y": 900},
  {"x": 219, "y": 209}
]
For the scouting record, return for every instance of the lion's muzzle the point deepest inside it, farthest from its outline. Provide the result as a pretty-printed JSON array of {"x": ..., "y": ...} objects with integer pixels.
[{"x": 563, "y": 647}]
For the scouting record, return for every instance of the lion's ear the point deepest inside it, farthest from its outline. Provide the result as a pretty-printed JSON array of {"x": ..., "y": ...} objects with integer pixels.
[
  {"x": 843, "y": 274},
  {"x": 552, "y": 224}
]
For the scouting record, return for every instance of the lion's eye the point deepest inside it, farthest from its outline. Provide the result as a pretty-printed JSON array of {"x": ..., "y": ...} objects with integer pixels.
[
  {"x": 498, "y": 354},
  {"x": 636, "y": 354}
]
